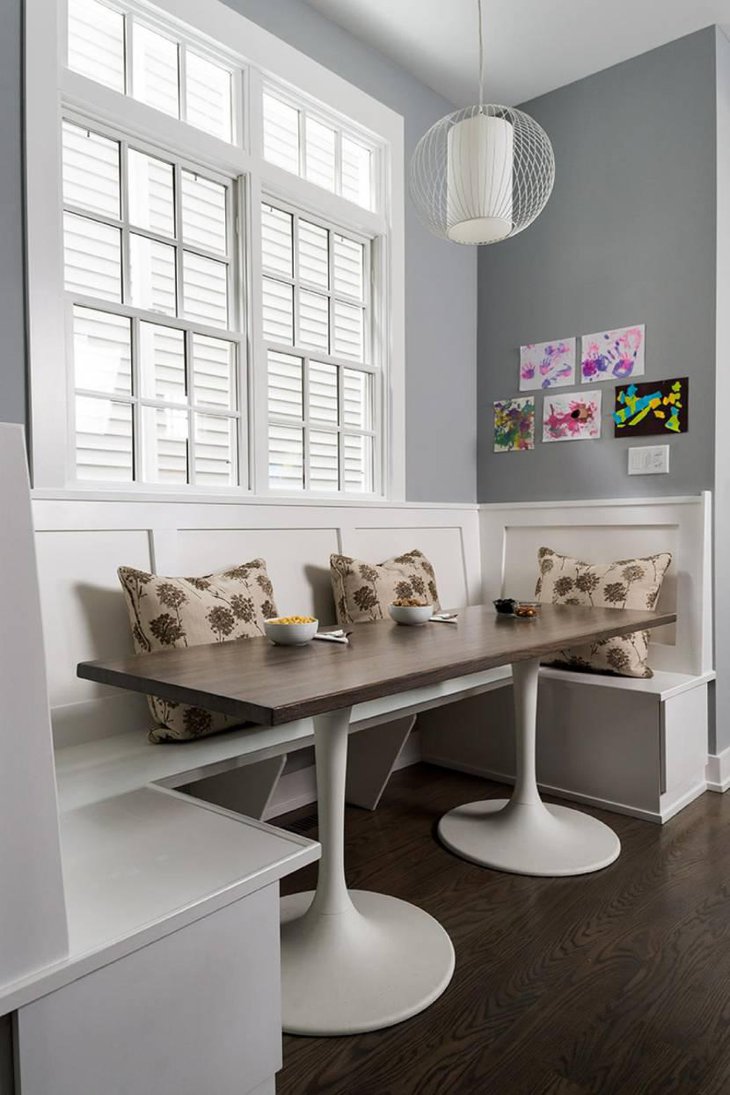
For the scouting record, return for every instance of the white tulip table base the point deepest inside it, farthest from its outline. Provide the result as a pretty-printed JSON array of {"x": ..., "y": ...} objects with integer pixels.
[
  {"x": 353, "y": 961},
  {"x": 524, "y": 835}
]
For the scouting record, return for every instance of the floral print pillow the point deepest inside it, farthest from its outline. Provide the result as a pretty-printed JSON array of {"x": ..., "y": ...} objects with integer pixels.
[
  {"x": 363, "y": 591},
  {"x": 628, "y": 583},
  {"x": 175, "y": 612}
]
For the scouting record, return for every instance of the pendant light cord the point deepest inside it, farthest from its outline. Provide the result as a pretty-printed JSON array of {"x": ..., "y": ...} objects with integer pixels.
[{"x": 481, "y": 53}]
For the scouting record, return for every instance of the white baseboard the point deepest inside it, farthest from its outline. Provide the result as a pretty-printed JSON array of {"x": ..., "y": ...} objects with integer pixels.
[
  {"x": 299, "y": 788},
  {"x": 657, "y": 817},
  {"x": 717, "y": 771}
]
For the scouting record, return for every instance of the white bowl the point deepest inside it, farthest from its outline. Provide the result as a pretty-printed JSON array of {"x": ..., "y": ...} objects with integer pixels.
[
  {"x": 290, "y": 634},
  {"x": 410, "y": 614}
]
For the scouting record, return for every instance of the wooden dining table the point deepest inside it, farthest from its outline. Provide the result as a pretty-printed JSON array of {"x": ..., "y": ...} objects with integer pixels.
[{"x": 354, "y": 960}]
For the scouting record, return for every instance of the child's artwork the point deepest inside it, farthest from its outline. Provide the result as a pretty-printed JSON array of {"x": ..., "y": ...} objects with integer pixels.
[
  {"x": 573, "y": 417},
  {"x": 612, "y": 355},
  {"x": 514, "y": 425},
  {"x": 547, "y": 365},
  {"x": 645, "y": 409}
]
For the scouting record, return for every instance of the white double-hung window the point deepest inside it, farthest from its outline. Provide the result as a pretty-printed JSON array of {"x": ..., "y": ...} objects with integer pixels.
[{"x": 215, "y": 260}]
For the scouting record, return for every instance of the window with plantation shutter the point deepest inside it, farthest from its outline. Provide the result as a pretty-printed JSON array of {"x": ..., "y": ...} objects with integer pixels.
[
  {"x": 321, "y": 380},
  {"x": 149, "y": 271},
  {"x": 215, "y": 239}
]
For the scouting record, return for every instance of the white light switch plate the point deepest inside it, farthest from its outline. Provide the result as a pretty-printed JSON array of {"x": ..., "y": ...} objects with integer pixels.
[{"x": 649, "y": 460}]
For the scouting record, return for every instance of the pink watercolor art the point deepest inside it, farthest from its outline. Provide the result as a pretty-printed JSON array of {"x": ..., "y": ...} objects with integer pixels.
[
  {"x": 571, "y": 417},
  {"x": 547, "y": 365},
  {"x": 612, "y": 355}
]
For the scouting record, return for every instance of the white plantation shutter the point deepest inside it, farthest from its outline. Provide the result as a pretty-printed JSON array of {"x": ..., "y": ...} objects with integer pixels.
[
  {"x": 102, "y": 351},
  {"x": 151, "y": 193},
  {"x": 356, "y": 172},
  {"x": 96, "y": 42},
  {"x": 203, "y": 212},
  {"x": 321, "y": 424},
  {"x": 208, "y": 96},
  {"x": 92, "y": 257},
  {"x": 90, "y": 170},
  {"x": 104, "y": 445},
  {"x": 325, "y": 154},
  {"x": 281, "y": 133},
  {"x": 155, "y": 70},
  {"x": 286, "y": 386},
  {"x": 320, "y": 154}
]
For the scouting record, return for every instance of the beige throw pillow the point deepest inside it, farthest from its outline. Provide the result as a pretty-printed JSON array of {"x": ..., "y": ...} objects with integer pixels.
[
  {"x": 177, "y": 612},
  {"x": 628, "y": 583},
  {"x": 363, "y": 591}
]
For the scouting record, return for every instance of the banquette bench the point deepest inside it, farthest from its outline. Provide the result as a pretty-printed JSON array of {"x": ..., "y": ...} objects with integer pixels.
[{"x": 637, "y": 746}]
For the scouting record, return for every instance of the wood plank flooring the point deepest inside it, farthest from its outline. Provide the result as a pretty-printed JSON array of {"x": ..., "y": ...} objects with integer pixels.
[{"x": 616, "y": 983}]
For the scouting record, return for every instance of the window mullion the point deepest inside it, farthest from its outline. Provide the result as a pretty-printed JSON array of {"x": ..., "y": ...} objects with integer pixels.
[
  {"x": 182, "y": 77},
  {"x": 124, "y": 215},
  {"x": 137, "y": 444},
  {"x": 129, "y": 53},
  {"x": 177, "y": 208},
  {"x": 306, "y": 444}
]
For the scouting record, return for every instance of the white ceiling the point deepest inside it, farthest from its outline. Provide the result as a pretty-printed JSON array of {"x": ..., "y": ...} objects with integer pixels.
[{"x": 532, "y": 46}]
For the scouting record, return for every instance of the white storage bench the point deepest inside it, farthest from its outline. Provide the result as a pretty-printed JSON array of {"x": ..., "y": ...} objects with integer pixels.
[
  {"x": 658, "y": 750},
  {"x": 634, "y": 746}
]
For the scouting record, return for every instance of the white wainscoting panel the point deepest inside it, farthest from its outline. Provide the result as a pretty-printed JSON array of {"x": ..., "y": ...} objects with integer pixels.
[
  {"x": 81, "y": 542},
  {"x": 604, "y": 530}
]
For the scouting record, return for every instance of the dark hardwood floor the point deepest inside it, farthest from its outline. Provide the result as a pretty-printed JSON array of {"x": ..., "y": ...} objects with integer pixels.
[{"x": 615, "y": 983}]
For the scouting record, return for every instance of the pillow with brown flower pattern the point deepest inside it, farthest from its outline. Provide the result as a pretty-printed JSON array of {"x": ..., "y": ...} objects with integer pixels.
[
  {"x": 174, "y": 612},
  {"x": 363, "y": 591},
  {"x": 628, "y": 583}
]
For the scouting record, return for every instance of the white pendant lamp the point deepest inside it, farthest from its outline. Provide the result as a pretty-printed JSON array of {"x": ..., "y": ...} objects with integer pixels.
[{"x": 482, "y": 174}]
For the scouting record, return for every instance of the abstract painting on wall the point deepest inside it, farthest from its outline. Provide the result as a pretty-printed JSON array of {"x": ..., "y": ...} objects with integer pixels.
[
  {"x": 573, "y": 417},
  {"x": 547, "y": 365},
  {"x": 656, "y": 408},
  {"x": 612, "y": 355},
  {"x": 514, "y": 425}
]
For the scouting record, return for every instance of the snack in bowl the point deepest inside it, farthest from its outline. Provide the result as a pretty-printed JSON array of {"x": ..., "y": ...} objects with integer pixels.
[
  {"x": 527, "y": 610},
  {"x": 408, "y": 610},
  {"x": 291, "y": 630}
]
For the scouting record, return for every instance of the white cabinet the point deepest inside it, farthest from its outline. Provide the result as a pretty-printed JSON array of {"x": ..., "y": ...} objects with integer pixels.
[{"x": 195, "y": 1012}]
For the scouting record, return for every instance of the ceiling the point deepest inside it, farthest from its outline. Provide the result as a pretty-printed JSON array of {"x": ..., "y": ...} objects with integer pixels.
[{"x": 532, "y": 46}]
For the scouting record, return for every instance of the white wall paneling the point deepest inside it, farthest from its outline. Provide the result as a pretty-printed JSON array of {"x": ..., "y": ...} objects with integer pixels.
[
  {"x": 33, "y": 919},
  {"x": 197, "y": 1012},
  {"x": 634, "y": 746}
]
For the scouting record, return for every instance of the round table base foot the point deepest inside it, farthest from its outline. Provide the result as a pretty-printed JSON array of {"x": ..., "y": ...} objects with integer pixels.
[
  {"x": 371, "y": 966},
  {"x": 536, "y": 839}
]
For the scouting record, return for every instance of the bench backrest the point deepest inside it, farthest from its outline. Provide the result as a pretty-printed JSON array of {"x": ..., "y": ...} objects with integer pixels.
[
  {"x": 601, "y": 531},
  {"x": 81, "y": 543}
]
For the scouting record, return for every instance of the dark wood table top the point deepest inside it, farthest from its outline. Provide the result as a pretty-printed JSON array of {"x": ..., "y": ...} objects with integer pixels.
[{"x": 255, "y": 681}]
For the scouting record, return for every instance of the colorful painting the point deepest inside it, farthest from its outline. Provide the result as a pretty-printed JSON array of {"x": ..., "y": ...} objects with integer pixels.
[
  {"x": 612, "y": 355},
  {"x": 547, "y": 365},
  {"x": 657, "y": 408},
  {"x": 573, "y": 417},
  {"x": 514, "y": 425}
]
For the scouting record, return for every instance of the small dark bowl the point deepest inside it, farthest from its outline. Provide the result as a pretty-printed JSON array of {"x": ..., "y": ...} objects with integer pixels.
[{"x": 505, "y": 606}]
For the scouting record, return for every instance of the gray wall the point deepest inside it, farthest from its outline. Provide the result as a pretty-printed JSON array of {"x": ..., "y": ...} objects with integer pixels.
[
  {"x": 628, "y": 236},
  {"x": 440, "y": 277},
  {"x": 12, "y": 317}
]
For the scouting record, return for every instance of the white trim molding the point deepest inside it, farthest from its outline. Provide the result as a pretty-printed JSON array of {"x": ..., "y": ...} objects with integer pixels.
[
  {"x": 258, "y": 57},
  {"x": 717, "y": 772}
]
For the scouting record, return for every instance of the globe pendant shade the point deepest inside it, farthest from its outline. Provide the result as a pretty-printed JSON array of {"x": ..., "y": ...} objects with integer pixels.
[
  {"x": 482, "y": 174},
  {"x": 480, "y": 151}
]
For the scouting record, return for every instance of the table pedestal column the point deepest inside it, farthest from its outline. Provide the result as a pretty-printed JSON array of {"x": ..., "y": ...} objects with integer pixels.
[
  {"x": 523, "y": 834},
  {"x": 353, "y": 961}
]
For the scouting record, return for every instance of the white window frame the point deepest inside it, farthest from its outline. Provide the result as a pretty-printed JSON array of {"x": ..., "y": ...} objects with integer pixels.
[{"x": 50, "y": 88}]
